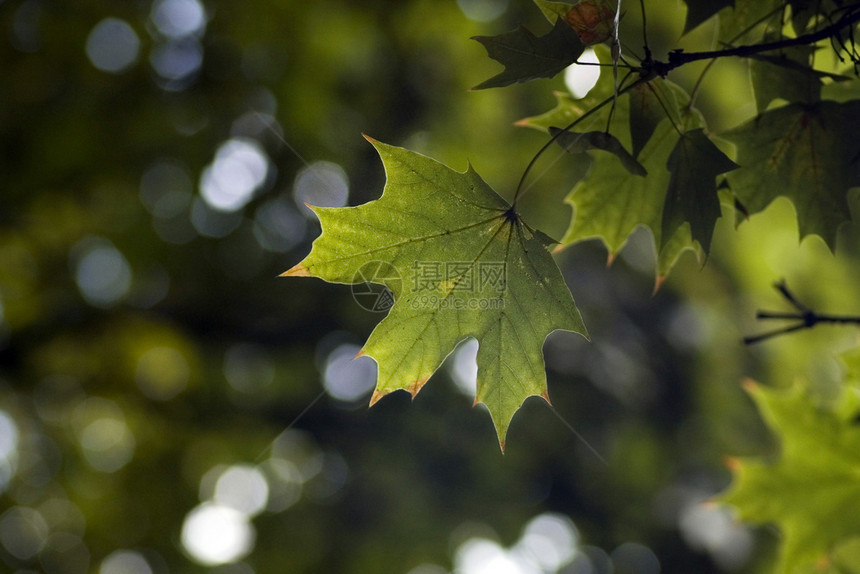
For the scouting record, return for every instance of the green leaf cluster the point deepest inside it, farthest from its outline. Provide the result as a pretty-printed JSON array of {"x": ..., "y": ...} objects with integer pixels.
[{"x": 812, "y": 492}]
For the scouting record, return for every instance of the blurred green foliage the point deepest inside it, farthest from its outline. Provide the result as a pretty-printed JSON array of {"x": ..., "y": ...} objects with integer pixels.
[{"x": 153, "y": 370}]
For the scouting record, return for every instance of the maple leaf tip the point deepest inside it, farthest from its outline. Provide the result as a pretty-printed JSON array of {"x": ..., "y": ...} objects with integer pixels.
[
  {"x": 368, "y": 138},
  {"x": 658, "y": 282},
  {"x": 749, "y": 385},
  {"x": 360, "y": 353},
  {"x": 545, "y": 396},
  {"x": 298, "y": 270},
  {"x": 610, "y": 259},
  {"x": 374, "y": 398},
  {"x": 732, "y": 463},
  {"x": 502, "y": 446}
]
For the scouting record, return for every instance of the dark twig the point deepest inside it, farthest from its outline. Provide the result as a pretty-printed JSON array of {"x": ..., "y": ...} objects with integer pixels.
[
  {"x": 806, "y": 318},
  {"x": 678, "y": 58}
]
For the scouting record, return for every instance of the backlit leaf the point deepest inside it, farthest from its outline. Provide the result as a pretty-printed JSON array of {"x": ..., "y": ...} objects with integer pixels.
[
  {"x": 464, "y": 265},
  {"x": 812, "y": 493},
  {"x": 808, "y": 153},
  {"x": 528, "y": 57}
]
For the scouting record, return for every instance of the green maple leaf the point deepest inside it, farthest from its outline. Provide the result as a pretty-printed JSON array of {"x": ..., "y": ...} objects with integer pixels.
[
  {"x": 553, "y": 10},
  {"x": 747, "y": 15},
  {"x": 461, "y": 263},
  {"x": 806, "y": 152},
  {"x": 813, "y": 492},
  {"x": 528, "y": 57},
  {"x": 787, "y": 75},
  {"x": 694, "y": 163},
  {"x": 649, "y": 105}
]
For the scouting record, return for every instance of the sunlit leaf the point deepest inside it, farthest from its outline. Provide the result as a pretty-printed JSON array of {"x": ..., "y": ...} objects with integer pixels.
[
  {"x": 466, "y": 266},
  {"x": 812, "y": 492}
]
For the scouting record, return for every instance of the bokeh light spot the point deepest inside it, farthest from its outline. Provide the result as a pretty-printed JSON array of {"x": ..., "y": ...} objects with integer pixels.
[
  {"x": 285, "y": 483},
  {"x": 580, "y": 78},
  {"x": 102, "y": 273},
  {"x": 112, "y": 45},
  {"x": 242, "y": 488},
  {"x": 106, "y": 441},
  {"x": 464, "y": 367},
  {"x": 239, "y": 169},
  {"x": 162, "y": 373},
  {"x": 213, "y": 534},
  {"x": 482, "y": 10},
  {"x": 347, "y": 377},
  {"x": 125, "y": 562},
  {"x": 322, "y": 184},
  {"x": 8, "y": 443},
  {"x": 177, "y": 60},
  {"x": 23, "y": 532},
  {"x": 480, "y": 556},
  {"x": 178, "y": 18},
  {"x": 550, "y": 540},
  {"x": 278, "y": 226}
]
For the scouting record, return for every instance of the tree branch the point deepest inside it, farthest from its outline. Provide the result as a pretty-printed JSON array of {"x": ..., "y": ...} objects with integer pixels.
[
  {"x": 678, "y": 58},
  {"x": 806, "y": 317}
]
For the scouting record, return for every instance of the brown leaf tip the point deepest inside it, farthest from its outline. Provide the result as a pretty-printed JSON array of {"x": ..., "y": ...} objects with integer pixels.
[
  {"x": 416, "y": 386},
  {"x": 749, "y": 385},
  {"x": 374, "y": 398},
  {"x": 545, "y": 396},
  {"x": 297, "y": 270},
  {"x": 732, "y": 463}
]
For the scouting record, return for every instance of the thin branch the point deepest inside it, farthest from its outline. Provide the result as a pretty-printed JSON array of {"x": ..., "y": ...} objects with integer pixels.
[
  {"x": 546, "y": 146},
  {"x": 805, "y": 317},
  {"x": 679, "y": 58}
]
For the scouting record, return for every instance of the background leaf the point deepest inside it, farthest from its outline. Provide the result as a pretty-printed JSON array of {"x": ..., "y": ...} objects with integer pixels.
[
  {"x": 807, "y": 153},
  {"x": 527, "y": 57},
  {"x": 812, "y": 493},
  {"x": 787, "y": 76},
  {"x": 694, "y": 164}
]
